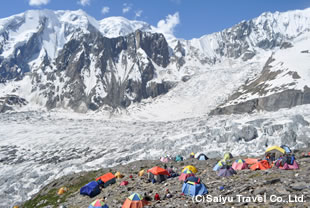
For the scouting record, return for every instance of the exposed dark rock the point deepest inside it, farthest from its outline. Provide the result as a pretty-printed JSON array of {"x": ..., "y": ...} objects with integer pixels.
[
  {"x": 286, "y": 45},
  {"x": 15, "y": 67},
  {"x": 286, "y": 99},
  {"x": 75, "y": 57},
  {"x": 274, "y": 102},
  {"x": 9, "y": 102}
]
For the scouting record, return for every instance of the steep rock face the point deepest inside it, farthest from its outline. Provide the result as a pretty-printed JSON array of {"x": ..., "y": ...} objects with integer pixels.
[
  {"x": 93, "y": 71},
  {"x": 15, "y": 66},
  {"x": 283, "y": 82},
  {"x": 274, "y": 102}
]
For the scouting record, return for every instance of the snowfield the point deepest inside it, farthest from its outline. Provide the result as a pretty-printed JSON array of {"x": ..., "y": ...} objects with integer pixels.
[{"x": 38, "y": 147}]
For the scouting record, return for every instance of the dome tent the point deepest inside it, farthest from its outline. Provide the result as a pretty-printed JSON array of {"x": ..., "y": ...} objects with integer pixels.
[
  {"x": 193, "y": 187},
  {"x": 239, "y": 165},
  {"x": 134, "y": 201},
  {"x": 202, "y": 157}
]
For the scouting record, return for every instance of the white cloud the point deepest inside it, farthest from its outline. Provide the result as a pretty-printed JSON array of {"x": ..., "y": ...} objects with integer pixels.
[
  {"x": 38, "y": 2},
  {"x": 84, "y": 2},
  {"x": 126, "y": 8},
  {"x": 166, "y": 26},
  {"x": 105, "y": 10},
  {"x": 138, "y": 13}
]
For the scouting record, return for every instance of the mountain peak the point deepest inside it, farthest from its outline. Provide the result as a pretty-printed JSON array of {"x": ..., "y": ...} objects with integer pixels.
[{"x": 119, "y": 26}]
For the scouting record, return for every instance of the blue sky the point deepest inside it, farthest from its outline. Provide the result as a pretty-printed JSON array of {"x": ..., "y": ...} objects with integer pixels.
[{"x": 196, "y": 17}]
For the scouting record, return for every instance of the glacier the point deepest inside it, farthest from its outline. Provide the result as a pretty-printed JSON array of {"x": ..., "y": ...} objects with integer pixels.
[{"x": 38, "y": 146}]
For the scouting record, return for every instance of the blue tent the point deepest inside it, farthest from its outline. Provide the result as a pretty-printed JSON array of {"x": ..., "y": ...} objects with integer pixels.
[
  {"x": 217, "y": 166},
  {"x": 192, "y": 179},
  {"x": 91, "y": 189},
  {"x": 286, "y": 148},
  {"x": 194, "y": 189},
  {"x": 202, "y": 157}
]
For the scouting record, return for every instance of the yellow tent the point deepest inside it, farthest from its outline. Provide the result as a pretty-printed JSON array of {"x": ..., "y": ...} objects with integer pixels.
[
  {"x": 141, "y": 172},
  {"x": 193, "y": 169},
  {"x": 118, "y": 175},
  {"x": 275, "y": 148}
]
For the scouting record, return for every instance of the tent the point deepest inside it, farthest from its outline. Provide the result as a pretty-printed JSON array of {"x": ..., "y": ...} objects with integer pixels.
[
  {"x": 194, "y": 188},
  {"x": 141, "y": 173},
  {"x": 98, "y": 204},
  {"x": 239, "y": 165},
  {"x": 217, "y": 166},
  {"x": 106, "y": 179},
  {"x": 192, "y": 179},
  {"x": 287, "y": 149},
  {"x": 223, "y": 162},
  {"x": 251, "y": 161},
  {"x": 157, "y": 173},
  {"x": 134, "y": 201},
  {"x": 118, "y": 175},
  {"x": 178, "y": 158},
  {"x": 91, "y": 189},
  {"x": 227, "y": 156},
  {"x": 274, "y": 152},
  {"x": 287, "y": 163},
  {"x": 202, "y": 157},
  {"x": 124, "y": 183},
  {"x": 185, "y": 174},
  {"x": 287, "y": 166},
  {"x": 165, "y": 159},
  {"x": 226, "y": 171},
  {"x": 261, "y": 165},
  {"x": 192, "y": 168},
  {"x": 62, "y": 190}
]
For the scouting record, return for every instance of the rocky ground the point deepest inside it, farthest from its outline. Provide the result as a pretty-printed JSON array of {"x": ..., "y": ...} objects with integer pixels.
[{"x": 292, "y": 187}]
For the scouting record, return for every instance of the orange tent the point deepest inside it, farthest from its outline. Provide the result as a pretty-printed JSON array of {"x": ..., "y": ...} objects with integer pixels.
[
  {"x": 251, "y": 161},
  {"x": 107, "y": 179},
  {"x": 261, "y": 165},
  {"x": 62, "y": 190},
  {"x": 135, "y": 201},
  {"x": 158, "y": 171}
]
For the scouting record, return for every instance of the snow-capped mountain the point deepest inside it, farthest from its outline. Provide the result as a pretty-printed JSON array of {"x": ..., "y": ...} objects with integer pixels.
[
  {"x": 70, "y": 63},
  {"x": 68, "y": 59},
  {"x": 113, "y": 27},
  {"x": 283, "y": 83}
]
